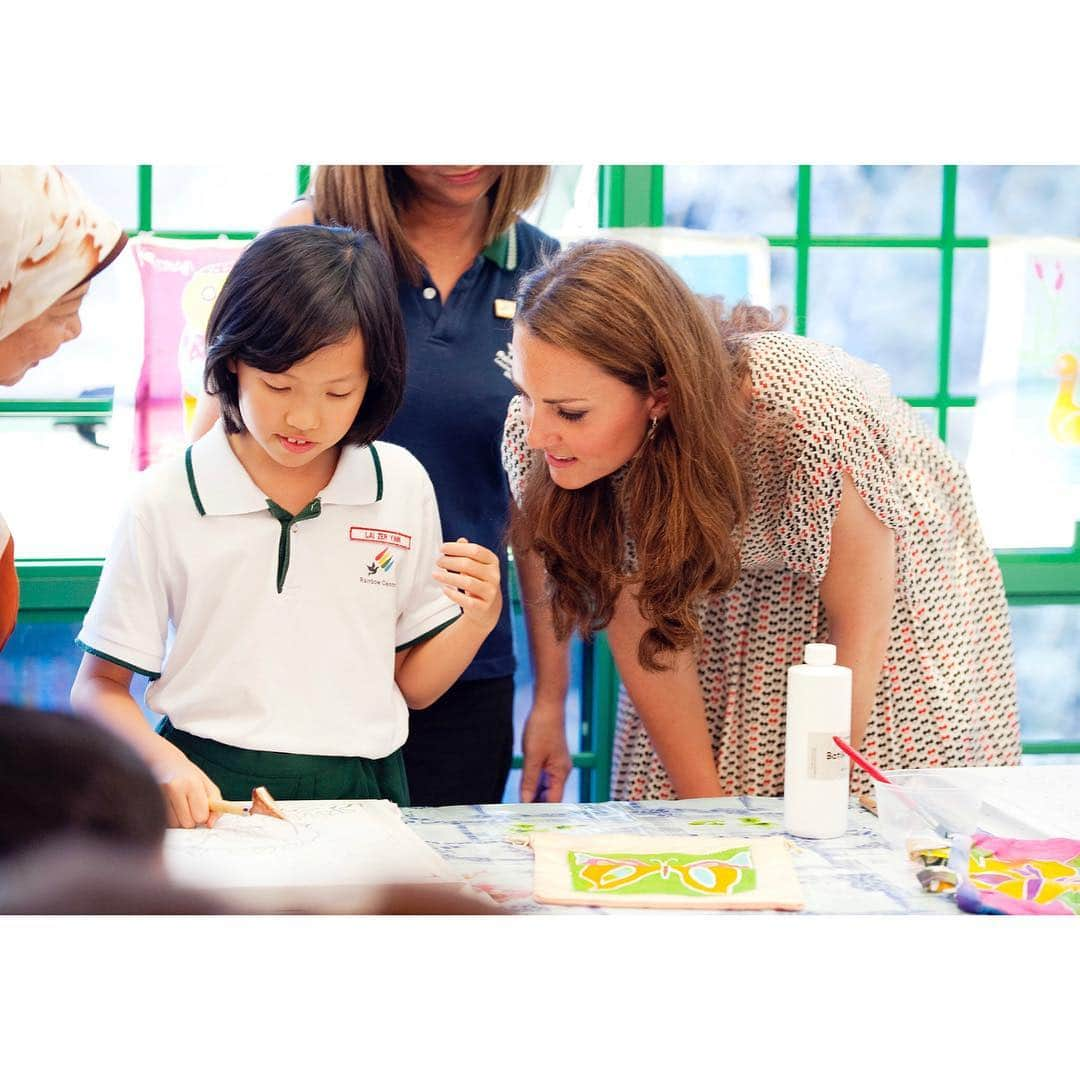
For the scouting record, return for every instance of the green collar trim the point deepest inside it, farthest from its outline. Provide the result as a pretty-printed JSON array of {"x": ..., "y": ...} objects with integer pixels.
[
  {"x": 191, "y": 483},
  {"x": 287, "y": 520},
  {"x": 378, "y": 471},
  {"x": 503, "y": 250}
]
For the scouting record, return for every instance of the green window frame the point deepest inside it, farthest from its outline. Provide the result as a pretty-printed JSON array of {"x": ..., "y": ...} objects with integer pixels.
[{"x": 628, "y": 195}]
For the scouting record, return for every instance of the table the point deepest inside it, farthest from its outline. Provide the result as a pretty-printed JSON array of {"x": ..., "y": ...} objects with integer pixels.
[{"x": 855, "y": 874}]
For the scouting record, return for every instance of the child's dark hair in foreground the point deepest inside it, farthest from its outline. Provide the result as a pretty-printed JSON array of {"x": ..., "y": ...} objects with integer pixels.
[{"x": 63, "y": 774}]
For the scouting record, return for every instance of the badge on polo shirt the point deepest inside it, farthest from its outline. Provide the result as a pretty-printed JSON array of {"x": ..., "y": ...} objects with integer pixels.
[
  {"x": 505, "y": 309},
  {"x": 385, "y": 548}
]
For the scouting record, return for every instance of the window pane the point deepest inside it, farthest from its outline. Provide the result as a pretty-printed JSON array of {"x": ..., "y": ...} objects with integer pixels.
[
  {"x": 64, "y": 498},
  {"x": 994, "y": 200},
  {"x": 961, "y": 424},
  {"x": 968, "y": 319},
  {"x": 569, "y": 204},
  {"x": 115, "y": 188},
  {"x": 881, "y": 306},
  {"x": 1046, "y": 639},
  {"x": 878, "y": 200},
  {"x": 731, "y": 199},
  {"x": 108, "y": 352},
  {"x": 782, "y": 285},
  {"x": 205, "y": 198},
  {"x": 39, "y": 662}
]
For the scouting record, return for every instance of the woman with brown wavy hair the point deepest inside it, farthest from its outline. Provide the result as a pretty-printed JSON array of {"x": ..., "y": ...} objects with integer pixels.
[
  {"x": 459, "y": 245},
  {"x": 716, "y": 494}
]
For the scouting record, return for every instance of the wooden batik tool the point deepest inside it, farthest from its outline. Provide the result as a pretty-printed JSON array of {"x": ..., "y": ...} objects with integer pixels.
[{"x": 262, "y": 802}]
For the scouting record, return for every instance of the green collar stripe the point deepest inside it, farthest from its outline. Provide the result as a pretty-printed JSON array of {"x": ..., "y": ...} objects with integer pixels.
[
  {"x": 191, "y": 484},
  {"x": 119, "y": 663},
  {"x": 287, "y": 520},
  {"x": 503, "y": 250},
  {"x": 378, "y": 471},
  {"x": 429, "y": 634}
]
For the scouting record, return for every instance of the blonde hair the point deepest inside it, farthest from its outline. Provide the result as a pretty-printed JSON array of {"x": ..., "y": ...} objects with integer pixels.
[
  {"x": 683, "y": 498},
  {"x": 370, "y": 197}
]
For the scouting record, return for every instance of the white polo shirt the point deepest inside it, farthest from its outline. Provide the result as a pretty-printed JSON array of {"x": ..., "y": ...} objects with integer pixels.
[{"x": 267, "y": 631}]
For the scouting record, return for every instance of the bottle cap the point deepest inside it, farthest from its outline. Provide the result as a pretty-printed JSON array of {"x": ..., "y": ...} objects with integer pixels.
[{"x": 820, "y": 654}]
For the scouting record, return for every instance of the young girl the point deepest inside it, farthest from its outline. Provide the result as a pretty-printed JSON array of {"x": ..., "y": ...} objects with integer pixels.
[
  {"x": 276, "y": 583},
  {"x": 459, "y": 245},
  {"x": 716, "y": 498}
]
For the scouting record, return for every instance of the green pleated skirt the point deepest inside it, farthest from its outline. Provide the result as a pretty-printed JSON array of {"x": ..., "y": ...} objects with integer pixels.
[{"x": 292, "y": 776}]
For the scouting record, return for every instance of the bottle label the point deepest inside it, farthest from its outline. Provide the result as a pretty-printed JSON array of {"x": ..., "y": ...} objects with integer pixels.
[{"x": 825, "y": 760}]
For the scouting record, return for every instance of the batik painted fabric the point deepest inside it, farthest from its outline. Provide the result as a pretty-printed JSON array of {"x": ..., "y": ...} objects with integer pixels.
[
  {"x": 52, "y": 238},
  {"x": 946, "y": 695},
  {"x": 630, "y": 870},
  {"x": 1021, "y": 877},
  {"x": 9, "y": 584}
]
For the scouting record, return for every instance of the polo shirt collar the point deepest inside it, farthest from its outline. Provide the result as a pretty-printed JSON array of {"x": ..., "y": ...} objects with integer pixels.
[
  {"x": 503, "y": 250},
  {"x": 219, "y": 484}
]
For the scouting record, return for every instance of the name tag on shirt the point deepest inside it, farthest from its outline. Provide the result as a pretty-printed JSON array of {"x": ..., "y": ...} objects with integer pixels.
[{"x": 505, "y": 309}]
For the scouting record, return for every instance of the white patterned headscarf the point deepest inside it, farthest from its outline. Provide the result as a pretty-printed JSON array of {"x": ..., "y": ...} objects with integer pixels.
[{"x": 52, "y": 238}]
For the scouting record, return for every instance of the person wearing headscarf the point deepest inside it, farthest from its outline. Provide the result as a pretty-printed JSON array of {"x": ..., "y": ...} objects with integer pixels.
[{"x": 53, "y": 240}]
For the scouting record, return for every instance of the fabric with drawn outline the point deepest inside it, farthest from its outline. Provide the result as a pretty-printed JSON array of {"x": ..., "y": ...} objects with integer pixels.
[
  {"x": 946, "y": 695},
  {"x": 628, "y": 870}
]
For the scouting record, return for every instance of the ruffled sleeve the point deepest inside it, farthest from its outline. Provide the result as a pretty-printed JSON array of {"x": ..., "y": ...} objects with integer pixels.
[{"x": 837, "y": 415}]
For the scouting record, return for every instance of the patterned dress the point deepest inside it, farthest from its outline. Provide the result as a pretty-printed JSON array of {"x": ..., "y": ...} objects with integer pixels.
[{"x": 947, "y": 691}]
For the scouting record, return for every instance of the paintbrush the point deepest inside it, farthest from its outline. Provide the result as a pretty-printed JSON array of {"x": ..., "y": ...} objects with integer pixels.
[
  {"x": 939, "y": 827},
  {"x": 262, "y": 802}
]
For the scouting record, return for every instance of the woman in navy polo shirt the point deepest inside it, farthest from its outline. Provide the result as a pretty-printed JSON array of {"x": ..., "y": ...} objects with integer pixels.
[{"x": 458, "y": 243}]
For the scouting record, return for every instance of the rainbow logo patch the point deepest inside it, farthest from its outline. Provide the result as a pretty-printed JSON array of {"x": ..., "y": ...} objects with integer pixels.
[{"x": 383, "y": 561}]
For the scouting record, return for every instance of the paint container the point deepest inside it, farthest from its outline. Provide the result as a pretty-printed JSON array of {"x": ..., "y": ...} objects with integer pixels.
[
  {"x": 914, "y": 799},
  {"x": 816, "y": 770}
]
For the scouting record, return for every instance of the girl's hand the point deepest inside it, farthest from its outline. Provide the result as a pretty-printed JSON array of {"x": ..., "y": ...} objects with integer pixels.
[
  {"x": 469, "y": 575},
  {"x": 187, "y": 791}
]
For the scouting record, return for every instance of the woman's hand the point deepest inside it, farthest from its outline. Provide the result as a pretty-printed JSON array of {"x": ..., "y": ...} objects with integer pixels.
[
  {"x": 187, "y": 790},
  {"x": 547, "y": 758},
  {"x": 470, "y": 576}
]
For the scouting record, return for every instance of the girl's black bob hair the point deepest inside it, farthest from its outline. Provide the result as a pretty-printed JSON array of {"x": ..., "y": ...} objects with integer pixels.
[{"x": 295, "y": 290}]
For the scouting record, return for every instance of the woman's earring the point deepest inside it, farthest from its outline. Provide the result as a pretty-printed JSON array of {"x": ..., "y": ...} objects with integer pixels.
[{"x": 652, "y": 428}]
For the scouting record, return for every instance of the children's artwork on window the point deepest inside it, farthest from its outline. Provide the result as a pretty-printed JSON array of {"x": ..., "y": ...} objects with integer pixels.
[
  {"x": 665, "y": 871},
  {"x": 1025, "y": 450},
  {"x": 181, "y": 280},
  {"x": 1021, "y": 877}
]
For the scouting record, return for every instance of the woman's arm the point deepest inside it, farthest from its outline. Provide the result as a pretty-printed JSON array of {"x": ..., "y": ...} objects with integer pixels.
[
  {"x": 857, "y": 591},
  {"x": 544, "y": 738},
  {"x": 206, "y": 408},
  {"x": 670, "y": 704}
]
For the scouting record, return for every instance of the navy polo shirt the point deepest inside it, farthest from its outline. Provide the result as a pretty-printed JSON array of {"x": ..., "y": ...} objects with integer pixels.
[{"x": 456, "y": 397}]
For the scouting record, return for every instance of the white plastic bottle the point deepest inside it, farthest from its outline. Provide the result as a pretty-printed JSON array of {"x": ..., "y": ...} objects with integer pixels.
[{"x": 816, "y": 770}]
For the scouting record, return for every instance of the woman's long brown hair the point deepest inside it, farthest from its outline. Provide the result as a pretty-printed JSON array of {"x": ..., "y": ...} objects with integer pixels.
[
  {"x": 370, "y": 197},
  {"x": 682, "y": 499}
]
